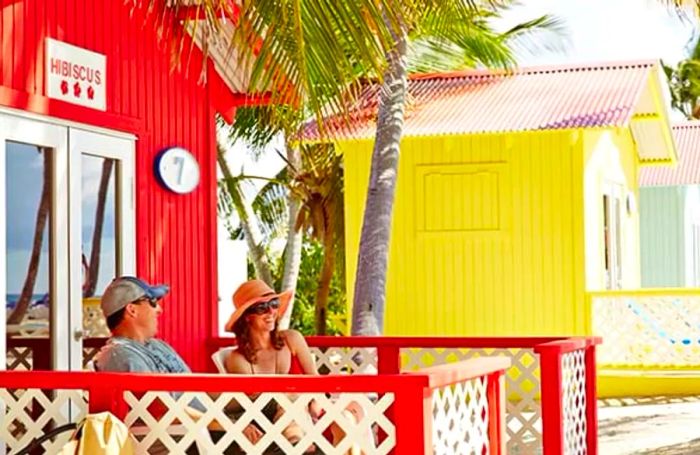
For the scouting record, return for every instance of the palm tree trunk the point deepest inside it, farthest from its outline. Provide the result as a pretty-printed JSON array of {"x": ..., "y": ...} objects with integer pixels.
[
  {"x": 370, "y": 279},
  {"x": 42, "y": 215},
  {"x": 94, "y": 266},
  {"x": 324, "y": 285},
  {"x": 253, "y": 236},
  {"x": 292, "y": 253}
]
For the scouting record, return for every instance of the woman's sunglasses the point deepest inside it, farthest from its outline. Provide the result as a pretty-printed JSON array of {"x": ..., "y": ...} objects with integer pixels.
[{"x": 264, "y": 307}]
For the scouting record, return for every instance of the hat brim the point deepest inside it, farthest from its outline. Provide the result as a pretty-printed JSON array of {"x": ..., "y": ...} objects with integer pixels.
[
  {"x": 284, "y": 298},
  {"x": 157, "y": 292}
]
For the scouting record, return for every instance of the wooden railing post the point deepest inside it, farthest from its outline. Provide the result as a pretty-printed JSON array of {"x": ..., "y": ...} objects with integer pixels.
[
  {"x": 552, "y": 404},
  {"x": 591, "y": 401},
  {"x": 495, "y": 392}
]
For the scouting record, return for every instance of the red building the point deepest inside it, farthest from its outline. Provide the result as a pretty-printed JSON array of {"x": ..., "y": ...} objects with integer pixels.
[{"x": 87, "y": 82}]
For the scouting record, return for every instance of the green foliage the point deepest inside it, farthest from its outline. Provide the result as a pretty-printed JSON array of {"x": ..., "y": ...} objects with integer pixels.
[{"x": 305, "y": 296}]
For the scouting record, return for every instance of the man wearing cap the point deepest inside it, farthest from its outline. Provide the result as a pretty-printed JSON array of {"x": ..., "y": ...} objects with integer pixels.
[{"x": 131, "y": 307}]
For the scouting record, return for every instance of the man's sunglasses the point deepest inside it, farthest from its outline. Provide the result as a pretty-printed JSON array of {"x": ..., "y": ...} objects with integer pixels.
[
  {"x": 151, "y": 301},
  {"x": 264, "y": 307}
]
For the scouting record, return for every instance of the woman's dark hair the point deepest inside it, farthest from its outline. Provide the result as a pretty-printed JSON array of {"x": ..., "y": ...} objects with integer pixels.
[
  {"x": 245, "y": 347},
  {"x": 113, "y": 320}
]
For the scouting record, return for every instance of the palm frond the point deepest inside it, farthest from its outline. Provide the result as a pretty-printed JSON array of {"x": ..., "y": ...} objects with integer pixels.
[
  {"x": 271, "y": 208},
  {"x": 542, "y": 33}
]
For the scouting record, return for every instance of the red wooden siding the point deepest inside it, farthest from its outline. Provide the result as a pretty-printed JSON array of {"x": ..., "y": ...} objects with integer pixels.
[{"x": 175, "y": 234}]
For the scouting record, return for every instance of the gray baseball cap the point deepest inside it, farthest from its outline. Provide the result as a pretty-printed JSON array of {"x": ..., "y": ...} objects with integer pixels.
[{"x": 125, "y": 289}]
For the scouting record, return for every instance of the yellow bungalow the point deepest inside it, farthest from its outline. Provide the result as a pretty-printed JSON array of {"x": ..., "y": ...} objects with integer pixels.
[{"x": 516, "y": 195}]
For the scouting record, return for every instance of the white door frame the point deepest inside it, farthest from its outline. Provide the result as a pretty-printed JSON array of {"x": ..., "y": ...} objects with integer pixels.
[
  {"x": 68, "y": 143},
  {"x": 110, "y": 147},
  {"x": 33, "y": 132}
]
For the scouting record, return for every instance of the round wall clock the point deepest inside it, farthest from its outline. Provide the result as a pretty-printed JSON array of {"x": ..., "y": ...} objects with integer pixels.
[{"x": 177, "y": 170}]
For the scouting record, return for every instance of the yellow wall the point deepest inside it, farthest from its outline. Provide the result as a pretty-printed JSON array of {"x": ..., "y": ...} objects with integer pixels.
[
  {"x": 610, "y": 160},
  {"x": 487, "y": 237}
]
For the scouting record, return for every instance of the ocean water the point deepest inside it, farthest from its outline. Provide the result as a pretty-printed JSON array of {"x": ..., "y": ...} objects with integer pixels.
[{"x": 11, "y": 300}]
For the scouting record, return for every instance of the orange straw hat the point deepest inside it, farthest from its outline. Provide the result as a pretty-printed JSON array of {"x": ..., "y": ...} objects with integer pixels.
[{"x": 252, "y": 292}]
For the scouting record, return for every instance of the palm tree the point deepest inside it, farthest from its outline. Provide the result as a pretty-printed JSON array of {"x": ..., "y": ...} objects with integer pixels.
[
  {"x": 319, "y": 190},
  {"x": 684, "y": 83},
  {"x": 253, "y": 237},
  {"x": 93, "y": 267}
]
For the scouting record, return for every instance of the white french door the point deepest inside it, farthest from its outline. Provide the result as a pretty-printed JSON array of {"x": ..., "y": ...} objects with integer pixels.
[{"x": 66, "y": 228}]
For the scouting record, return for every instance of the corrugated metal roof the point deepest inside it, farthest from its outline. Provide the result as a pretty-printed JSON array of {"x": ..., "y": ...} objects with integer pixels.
[
  {"x": 479, "y": 101},
  {"x": 687, "y": 170}
]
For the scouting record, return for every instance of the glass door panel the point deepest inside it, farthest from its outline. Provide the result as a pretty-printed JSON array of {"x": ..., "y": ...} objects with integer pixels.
[
  {"x": 99, "y": 238},
  {"x": 28, "y": 188}
]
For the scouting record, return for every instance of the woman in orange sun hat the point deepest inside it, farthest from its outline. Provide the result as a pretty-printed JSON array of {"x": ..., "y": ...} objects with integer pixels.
[{"x": 264, "y": 349}]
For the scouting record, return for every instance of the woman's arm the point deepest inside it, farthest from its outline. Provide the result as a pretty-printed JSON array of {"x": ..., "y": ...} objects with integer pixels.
[{"x": 297, "y": 344}]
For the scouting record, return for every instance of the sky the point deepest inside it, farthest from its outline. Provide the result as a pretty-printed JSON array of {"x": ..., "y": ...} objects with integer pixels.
[{"x": 608, "y": 30}]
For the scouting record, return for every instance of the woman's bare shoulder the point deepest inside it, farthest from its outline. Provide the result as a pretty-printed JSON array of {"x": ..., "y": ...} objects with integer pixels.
[{"x": 237, "y": 363}]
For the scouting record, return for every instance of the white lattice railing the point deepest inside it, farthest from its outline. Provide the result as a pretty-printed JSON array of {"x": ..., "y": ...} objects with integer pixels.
[
  {"x": 468, "y": 413},
  {"x": 522, "y": 385},
  {"x": 291, "y": 410},
  {"x": 525, "y": 427},
  {"x": 30, "y": 413},
  {"x": 651, "y": 328},
  {"x": 522, "y": 381},
  {"x": 574, "y": 400},
  {"x": 374, "y": 414}
]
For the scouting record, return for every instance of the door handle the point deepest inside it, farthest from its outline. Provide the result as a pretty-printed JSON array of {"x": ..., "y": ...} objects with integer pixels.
[{"x": 78, "y": 334}]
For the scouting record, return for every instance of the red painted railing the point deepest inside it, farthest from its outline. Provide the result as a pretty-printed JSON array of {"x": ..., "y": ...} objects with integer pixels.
[
  {"x": 414, "y": 424},
  {"x": 550, "y": 392},
  {"x": 569, "y": 397},
  {"x": 562, "y": 392}
]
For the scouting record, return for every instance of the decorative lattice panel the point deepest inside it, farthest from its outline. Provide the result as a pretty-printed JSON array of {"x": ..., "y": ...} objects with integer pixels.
[
  {"x": 460, "y": 419},
  {"x": 574, "y": 402},
  {"x": 30, "y": 413},
  {"x": 523, "y": 409},
  {"x": 160, "y": 420},
  {"x": 648, "y": 330},
  {"x": 337, "y": 360}
]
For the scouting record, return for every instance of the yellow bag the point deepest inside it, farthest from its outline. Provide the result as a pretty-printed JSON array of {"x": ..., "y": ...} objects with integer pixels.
[{"x": 100, "y": 434}]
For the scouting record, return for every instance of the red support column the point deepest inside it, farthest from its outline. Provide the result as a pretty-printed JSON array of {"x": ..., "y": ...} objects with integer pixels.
[
  {"x": 552, "y": 406},
  {"x": 591, "y": 402},
  {"x": 388, "y": 360},
  {"x": 412, "y": 417},
  {"x": 495, "y": 393}
]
